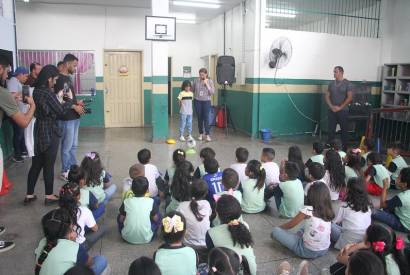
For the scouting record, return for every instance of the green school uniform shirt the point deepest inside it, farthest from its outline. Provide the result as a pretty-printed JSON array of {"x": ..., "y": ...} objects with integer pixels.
[
  {"x": 60, "y": 259},
  {"x": 172, "y": 206},
  {"x": 349, "y": 173},
  {"x": 137, "y": 224},
  {"x": 293, "y": 198},
  {"x": 253, "y": 200},
  {"x": 221, "y": 237},
  {"x": 391, "y": 266},
  {"x": 84, "y": 197},
  {"x": 238, "y": 196},
  {"x": 317, "y": 158},
  {"x": 403, "y": 212},
  {"x": 400, "y": 164},
  {"x": 176, "y": 260},
  {"x": 381, "y": 174},
  {"x": 98, "y": 192}
]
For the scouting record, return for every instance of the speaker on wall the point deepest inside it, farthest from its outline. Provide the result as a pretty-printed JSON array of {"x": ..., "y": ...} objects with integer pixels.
[{"x": 225, "y": 70}]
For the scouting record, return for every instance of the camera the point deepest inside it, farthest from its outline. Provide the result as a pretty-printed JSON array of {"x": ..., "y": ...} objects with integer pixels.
[{"x": 25, "y": 92}]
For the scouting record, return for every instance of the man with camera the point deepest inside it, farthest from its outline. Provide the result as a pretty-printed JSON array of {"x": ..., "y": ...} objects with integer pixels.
[{"x": 70, "y": 122}]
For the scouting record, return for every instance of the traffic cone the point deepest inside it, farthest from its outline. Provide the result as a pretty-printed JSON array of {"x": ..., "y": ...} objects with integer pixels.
[{"x": 6, "y": 185}]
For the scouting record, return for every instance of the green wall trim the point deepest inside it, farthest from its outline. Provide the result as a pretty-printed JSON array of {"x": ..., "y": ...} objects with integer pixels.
[
  {"x": 159, "y": 103},
  {"x": 147, "y": 108},
  {"x": 301, "y": 81},
  {"x": 177, "y": 78},
  {"x": 99, "y": 79},
  {"x": 147, "y": 78},
  {"x": 96, "y": 118},
  {"x": 160, "y": 79}
]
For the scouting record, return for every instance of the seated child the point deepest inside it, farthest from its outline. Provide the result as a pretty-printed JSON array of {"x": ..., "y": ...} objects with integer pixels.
[
  {"x": 336, "y": 145},
  {"x": 80, "y": 270},
  {"x": 178, "y": 156},
  {"x": 137, "y": 170},
  {"x": 222, "y": 260},
  {"x": 57, "y": 252},
  {"x": 197, "y": 213},
  {"x": 368, "y": 147},
  {"x": 152, "y": 174},
  {"x": 318, "y": 148},
  {"x": 95, "y": 172},
  {"x": 377, "y": 176},
  {"x": 213, "y": 178},
  {"x": 289, "y": 194},
  {"x": 295, "y": 155},
  {"x": 181, "y": 184},
  {"x": 397, "y": 162},
  {"x": 396, "y": 211},
  {"x": 232, "y": 233},
  {"x": 139, "y": 217},
  {"x": 205, "y": 154},
  {"x": 240, "y": 165},
  {"x": 271, "y": 168},
  {"x": 87, "y": 198},
  {"x": 334, "y": 178},
  {"x": 88, "y": 232},
  {"x": 173, "y": 257},
  {"x": 353, "y": 166},
  {"x": 144, "y": 266},
  {"x": 253, "y": 189},
  {"x": 354, "y": 215},
  {"x": 316, "y": 173},
  {"x": 314, "y": 240}
]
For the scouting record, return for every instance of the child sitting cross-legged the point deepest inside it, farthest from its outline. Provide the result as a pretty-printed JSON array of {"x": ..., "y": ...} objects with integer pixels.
[
  {"x": 397, "y": 163},
  {"x": 139, "y": 216},
  {"x": 205, "y": 154},
  {"x": 253, "y": 189},
  {"x": 222, "y": 260},
  {"x": 137, "y": 170},
  {"x": 316, "y": 173},
  {"x": 180, "y": 186},
  {"x": 377, "y": 176},
  {"x": 335, "y": 177},
  {"x": 353, "y": 165},
  {"x": 318, "y": 148},
  {"x": 213, "y": 178},
  {"x": 151, "y": 172},
  {"x": 241, "y": 155},
  {"x": 271, "y": 168}
]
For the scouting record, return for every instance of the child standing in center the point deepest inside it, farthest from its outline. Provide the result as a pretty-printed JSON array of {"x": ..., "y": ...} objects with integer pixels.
[
  {"x": 253, "y": 189},
  {"x": 185, "y": 98}
]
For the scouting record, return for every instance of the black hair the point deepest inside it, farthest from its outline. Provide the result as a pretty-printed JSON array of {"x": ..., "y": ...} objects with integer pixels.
[
  {"x": 230, "y": 179},
  {"x": 374, "y": 158},
  {"x": 340, "y": 69},
  {"x": 269, "y": 153},
  {"x": 241, "y": 154},
  {"x": 295, "y": 155},
  {"x": 292, "y": 170},
  {"x": 336, "y": 144},
  {"x": 178, "y": 156},
  {"x": 69, "y": 57},
  {"x": 318, "y": 147},
  {"x": 318, "y": 197},
  {"x": 363, "y": 262},
  {"x": 396, "y": 146},
  {"x": 199, "y": 191},
  {"x": 33, "y": 66},
  {"x": 60, "y": 63},
  {"x": 356, "y": 196},
  {"x": 79, "y": 270},
  {"x": 144, "y": 266},
  {"x": 181, "y": 181},
  {"x": 139, "y": 186},
  {"x": 225, "y": 261},
  {"x": 4, "y": 61},
  {"x": 354, "y": 161},
  {"x": 379, "y": 233},
  {"x": 211, "y": 166},
  {"x": 93, "y": 169},
  {"x": 229, "y": 210},
  {"x": 203, "y": 70},
  {"x": 316, "y": 170},
  {"x": 76, "y": 174},
  {"x": 56, "y": 225},
  {"x": 369, "y": 144},
  {"x": 47, "y": 72},
  {"x": 405, "y": 176},
  {"x": 207, "y": 153},
  {"x": 173, "y": 237},
  {"x": 333, "y": 164},
  {"x": 68, "y": 200},
  {"x": 256, "y": 171},
  {"x": 185, "y": 84},
  {"x": 144, "y": 156}
]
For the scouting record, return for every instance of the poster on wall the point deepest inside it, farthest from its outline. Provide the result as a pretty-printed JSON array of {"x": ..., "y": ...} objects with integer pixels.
[{"x": 186, "y": 71}]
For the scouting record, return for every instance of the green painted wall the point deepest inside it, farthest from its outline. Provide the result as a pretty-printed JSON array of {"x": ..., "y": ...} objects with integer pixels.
[
  {"x": 147, "y": 107},
  {"x": 159, "y": 120},
  {"x": 96, "y": 118}
]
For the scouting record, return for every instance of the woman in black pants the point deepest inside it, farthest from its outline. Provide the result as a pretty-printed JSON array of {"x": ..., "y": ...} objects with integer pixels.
[{"x": 46, "y": 132}]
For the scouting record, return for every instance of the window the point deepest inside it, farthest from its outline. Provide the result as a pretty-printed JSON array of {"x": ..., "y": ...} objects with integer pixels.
[
  {"x": 83, "y": 79},
  {"x": 360, "y": 18}
]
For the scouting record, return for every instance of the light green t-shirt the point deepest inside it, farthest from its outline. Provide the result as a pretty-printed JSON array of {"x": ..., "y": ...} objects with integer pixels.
[
  {"x": 98, "y": 192},
  {"x": 137, "y": 224},
  {"x": 381, "y": 174},
  {"x": 391, "y": 266},
  {"x": 400, "y": 163},
  {"x": 60, "y": 259},
  {"x": 84, "y": 197},
  {"x": 175, "y": 261},
  {"x": 238, "y": 196},
  {"x": 342, "y": 154},
  {"x": 349, "y": 173},
  {"x": 293, "y": 198},
  {"x": 221, "y": 237},
  {"x": 172, "y": 206},
  {"x": 403, "y": 212},
  {"x": 317, "y": 158},
  {"x": 253, "y": 199}
]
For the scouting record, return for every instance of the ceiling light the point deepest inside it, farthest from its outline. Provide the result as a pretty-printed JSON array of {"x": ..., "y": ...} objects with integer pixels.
[
  {"x": 196, "y": 4},
  {"x": 26, "y": 1},
  {"x": 282, "y": 13}
]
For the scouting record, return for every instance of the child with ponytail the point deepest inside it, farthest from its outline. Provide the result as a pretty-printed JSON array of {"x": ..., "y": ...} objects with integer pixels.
[
  {"x": 353, "y": 167},
  {"x": 253, "y": 188},
  {"x": 232, "y": 233},
  {"x": 225, "y": 261},
  {"x": 180, "y": 186},
  {"x": 57, "y": 252},
  {"x": 335, "y": 177}
]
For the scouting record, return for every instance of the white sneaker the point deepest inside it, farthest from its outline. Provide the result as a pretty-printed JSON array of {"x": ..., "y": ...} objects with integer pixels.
[
  {"x": 64, "y": 176},
  {"x": 190, "y": 137},
  {"x": 208, "y": 138},
  {"x": 181, "y": 138},
  {"x": 200, "y": 137}
]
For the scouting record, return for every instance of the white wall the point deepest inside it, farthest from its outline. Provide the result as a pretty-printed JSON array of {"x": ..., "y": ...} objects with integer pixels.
[
  {"x": 83, "y": 27},
  {"x": 7, "y": 41}
]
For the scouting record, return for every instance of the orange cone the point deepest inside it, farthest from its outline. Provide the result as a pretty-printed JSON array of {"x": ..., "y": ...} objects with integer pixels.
[{"x": 6, "y": 185}]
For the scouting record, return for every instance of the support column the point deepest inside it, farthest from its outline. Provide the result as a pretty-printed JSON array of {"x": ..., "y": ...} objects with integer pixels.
[{"x": 159, "y": 64}]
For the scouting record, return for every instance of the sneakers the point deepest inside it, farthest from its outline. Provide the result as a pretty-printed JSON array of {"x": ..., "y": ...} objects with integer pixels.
[
  {"x": 17, "y": 159},
  {"x": 64, "y": 176},
  {"x": 6, "y": 246},
  {"x": 181, "y": 138},
  {"x": 200, "y": 137},
  {"x": 190, "y": 138},
  {"x": 284, "y": 268},
  {"x": 208, "y": 138}
]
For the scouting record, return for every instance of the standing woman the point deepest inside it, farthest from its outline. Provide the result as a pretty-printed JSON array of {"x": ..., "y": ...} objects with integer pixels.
[
  {"x": 46, "y": 132},
  {"x": 203, "y": 89}
]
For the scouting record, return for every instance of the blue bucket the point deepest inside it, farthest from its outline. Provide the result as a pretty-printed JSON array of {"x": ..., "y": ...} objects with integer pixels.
[{"x": 266, "y": 135}]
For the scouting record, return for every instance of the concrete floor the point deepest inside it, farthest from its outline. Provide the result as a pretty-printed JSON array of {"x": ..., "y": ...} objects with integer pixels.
[{"x": 118, "y": 148}]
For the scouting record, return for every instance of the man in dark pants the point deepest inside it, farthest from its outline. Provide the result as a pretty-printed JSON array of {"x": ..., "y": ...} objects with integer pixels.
[{"x": 338, "y": 97}]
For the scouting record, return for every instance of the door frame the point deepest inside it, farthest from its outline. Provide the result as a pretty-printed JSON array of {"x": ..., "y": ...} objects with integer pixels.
[{"x": 142, "y": 80}]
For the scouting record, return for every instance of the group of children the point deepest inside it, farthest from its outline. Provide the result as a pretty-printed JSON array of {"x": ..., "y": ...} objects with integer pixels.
[{"x": 199, "y": 211}]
